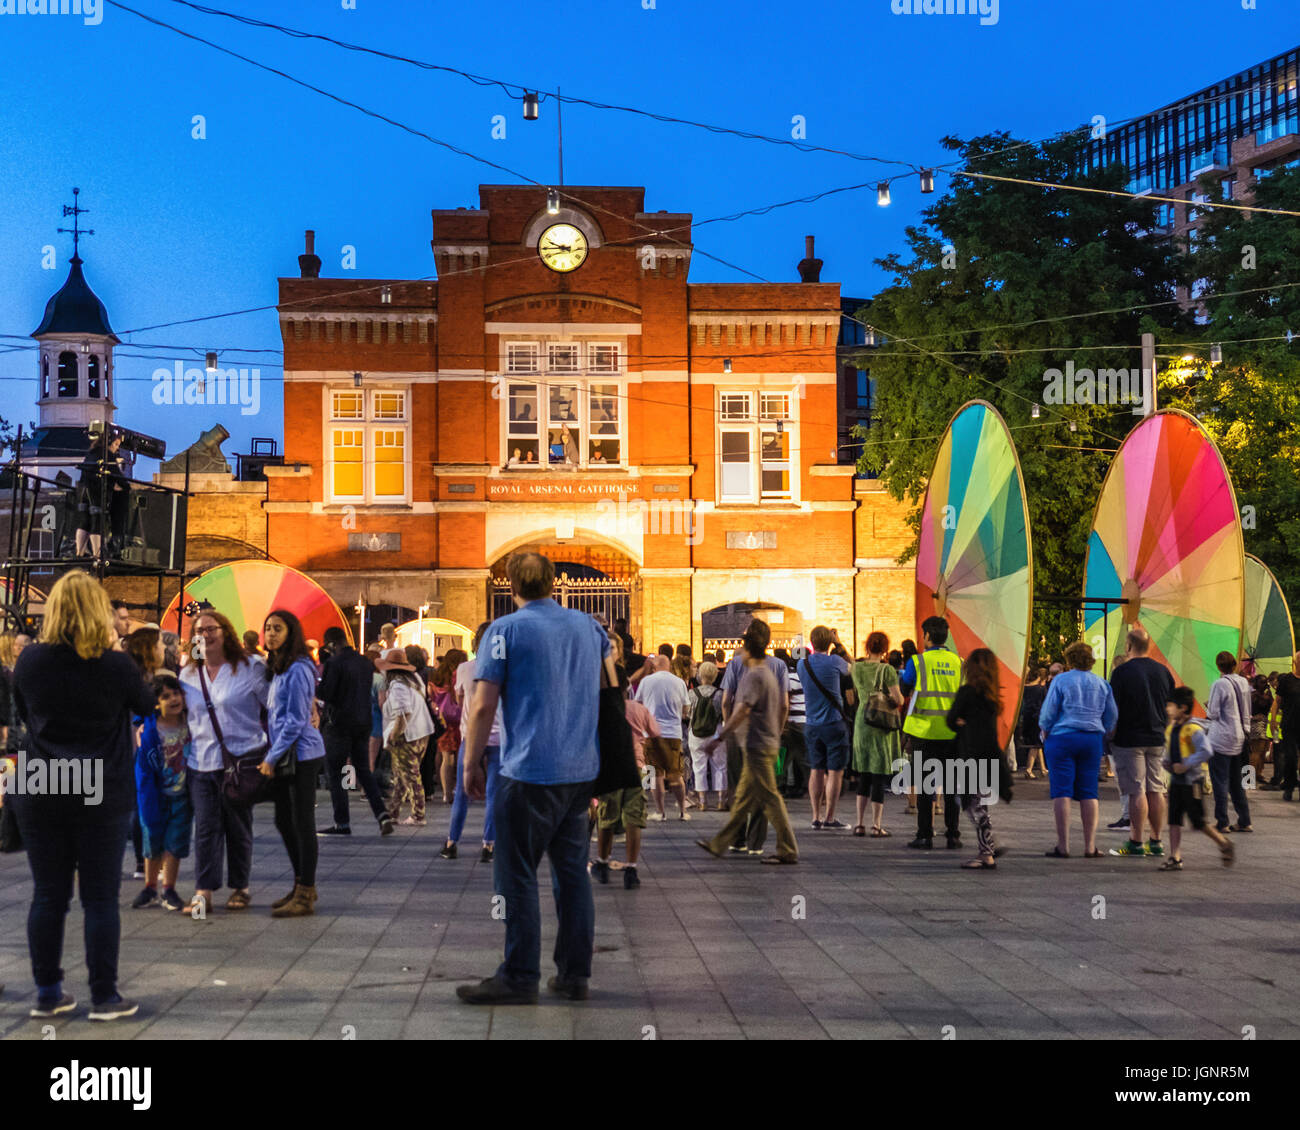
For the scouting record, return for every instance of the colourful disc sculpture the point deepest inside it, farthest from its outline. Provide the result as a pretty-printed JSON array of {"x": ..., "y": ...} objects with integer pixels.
[
  {"x": 245, "y": 591},
  {"x": 1269, "y": 638},
  {"x": 1166, "y": 536},
  {"x": 973, "y": 563}
]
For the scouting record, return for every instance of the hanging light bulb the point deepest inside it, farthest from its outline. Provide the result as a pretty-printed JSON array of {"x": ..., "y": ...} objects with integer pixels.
[
  {"x": 1073, "y": 426},
  {"x": 85, "y": 347},
  {"x": 356, "y": 380},
  {"x": 211, "y": 361},
  {"x": 530, "y": 105},
  {"x": 1216, "y": 355},
  {"x": 927, "y": 180},
  {"x": 726, "y": 364},
  {"x": 553, "y": 201},
  {"x": 882, "y": 194},
  {"x": 780, "y": 426},
  {"x": 386, "y": 294},
  {"x": 1035, "y": 412}
]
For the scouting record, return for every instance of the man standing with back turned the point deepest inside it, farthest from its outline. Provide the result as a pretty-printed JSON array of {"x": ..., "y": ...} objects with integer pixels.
[
  {"x": 544, "y": 664},
  {"x": 1141, "y": 687}
]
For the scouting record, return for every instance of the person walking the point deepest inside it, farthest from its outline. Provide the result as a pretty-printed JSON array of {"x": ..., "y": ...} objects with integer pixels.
[
  {"x": 465, "y": 675},
  {"x": 1027, "y": 736},
  {"x": 443, "y": 701},
  {"x": 1141, "y": 687},
  {"x": 875, "y": 747},
  {"x": 973, "y": 716},
  {"x": 407, "y": 726},
  {"x": 665, "y": 696},
  {"x": 344, "y": 690},
  {"x": 1186, "y": 754},
  {"x": 826, "y": 731},
  {"x": 705, "y": 720},
  {"x": 1286, "y": 707},
  {"x": 292, "y": 761},
  {"x": 1228, "y": 712},
  {"x": 76, "y": 697},
  {"x": 751, "y": 836},
  {"x": 1077, "y": 713},
  {"x": 757, "y": 720},
  {"x": 931, "y": 679},
  {"x": 545, "y": 664},
  {"x": 225, "y": 699}
]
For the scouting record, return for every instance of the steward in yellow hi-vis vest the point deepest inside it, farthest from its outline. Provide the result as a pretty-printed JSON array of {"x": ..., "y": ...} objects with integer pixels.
[{"x": 938, "y": 675}]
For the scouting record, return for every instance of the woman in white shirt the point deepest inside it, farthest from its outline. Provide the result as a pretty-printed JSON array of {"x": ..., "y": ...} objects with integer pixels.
[
  {"x": 702, "y": 762},
  {"x": 229, "y": 717},
  {"x": 407, "y": 726}
]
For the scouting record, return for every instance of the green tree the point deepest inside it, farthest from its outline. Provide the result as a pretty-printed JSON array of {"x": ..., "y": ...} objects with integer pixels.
[
  {"x": 1250, "y": 403},
  {"x": 1015, "y": 256}
]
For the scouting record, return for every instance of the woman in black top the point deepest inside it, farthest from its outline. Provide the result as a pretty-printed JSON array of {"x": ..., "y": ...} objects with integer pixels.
[
  {"x": 75, "y": 788},
  {"x": 974, "y": 717},
  {"x": 1028, "y": 737},
  {"x": 99, "y": 485}
]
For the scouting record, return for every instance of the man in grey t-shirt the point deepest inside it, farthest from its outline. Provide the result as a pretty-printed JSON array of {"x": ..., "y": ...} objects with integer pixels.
[{"x": 757, "y": 718}]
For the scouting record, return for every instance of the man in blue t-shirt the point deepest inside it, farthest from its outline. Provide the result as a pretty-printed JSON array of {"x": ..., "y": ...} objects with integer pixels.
[
  {"x": 826, "y": 735},
  {"x": 543, "y": 663}
]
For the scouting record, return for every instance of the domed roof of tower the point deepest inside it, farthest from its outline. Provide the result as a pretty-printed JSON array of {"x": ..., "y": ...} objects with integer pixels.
[{"x": 75, "y": 308}]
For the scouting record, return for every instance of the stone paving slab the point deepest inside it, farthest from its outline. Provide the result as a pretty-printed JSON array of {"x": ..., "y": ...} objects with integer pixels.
[{"x": 864, "y": 940}]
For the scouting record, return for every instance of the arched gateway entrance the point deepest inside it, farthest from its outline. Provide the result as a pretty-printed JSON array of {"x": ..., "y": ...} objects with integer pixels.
[{"x": 592, "y": 578}]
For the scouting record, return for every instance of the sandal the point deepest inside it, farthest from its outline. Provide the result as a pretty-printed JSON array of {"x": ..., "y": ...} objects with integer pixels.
[
  {"x": 859, "y": 830},
  {"x": 879, "y": 833},
  {"x": 979, "y": 865},
  {"x": 1057, "y": 853},
  {"x": 1096, "y": 853},
  {"x": 240, "y": 900},
  {"x": 1172, "y": 864}
]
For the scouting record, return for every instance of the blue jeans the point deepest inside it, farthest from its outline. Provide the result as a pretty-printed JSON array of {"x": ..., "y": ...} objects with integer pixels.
[
  {"x": 60, "y": 847},
  {"x": 532, "y": 821},
  {"x": 460, "y": 802},
  {"x": 1225, "y": 773}
]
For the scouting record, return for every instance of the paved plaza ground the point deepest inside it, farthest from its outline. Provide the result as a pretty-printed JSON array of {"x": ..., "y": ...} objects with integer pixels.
[{"x": 865, "y": 939}]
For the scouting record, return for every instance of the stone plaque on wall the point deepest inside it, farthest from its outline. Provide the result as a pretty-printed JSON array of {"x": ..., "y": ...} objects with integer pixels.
[
  {"x": 751, "y": 539},
  {"x": 375, "y": 543}
]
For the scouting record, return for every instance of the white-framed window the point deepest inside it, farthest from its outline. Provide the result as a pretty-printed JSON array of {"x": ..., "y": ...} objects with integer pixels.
[
  {"x": 757, "y": 441},
  {"x": 367, "y": 445},
  {"x": 564, "y": 425},
  {"x": 563, "y": 357},
  {"x": 522, "y": 357},
  {"x": 604, "y": 357}
]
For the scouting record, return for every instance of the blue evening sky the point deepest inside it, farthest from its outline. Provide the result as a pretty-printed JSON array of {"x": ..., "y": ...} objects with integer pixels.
[{"x": 187, "y": 228}]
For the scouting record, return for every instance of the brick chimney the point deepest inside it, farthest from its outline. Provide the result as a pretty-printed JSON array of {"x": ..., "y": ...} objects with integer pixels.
[
  {"x": 810, "y": 269},
  {"x": 309, "y": 264}
]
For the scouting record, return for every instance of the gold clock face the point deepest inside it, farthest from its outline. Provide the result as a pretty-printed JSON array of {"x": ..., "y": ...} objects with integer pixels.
[{"x": 562, "y": 247}]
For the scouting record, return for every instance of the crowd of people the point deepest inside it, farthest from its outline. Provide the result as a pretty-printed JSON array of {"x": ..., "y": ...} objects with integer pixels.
[{"x": 193, "y": 734}]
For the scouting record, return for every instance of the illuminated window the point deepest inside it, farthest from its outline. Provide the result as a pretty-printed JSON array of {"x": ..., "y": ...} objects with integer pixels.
[
  {"x": 736, "y": 406},
  {"x": 774, "y": 406},
  {"x": 604, "y": 358},
  {"x": 563, "y": 357},
  {"x": 755, "y": 450},
  {"x": 569, "y": 426},
  {"x": 348, "y": 451},
  {"x": 776, "y": 464},
  {"x": 368, "y": 446}
]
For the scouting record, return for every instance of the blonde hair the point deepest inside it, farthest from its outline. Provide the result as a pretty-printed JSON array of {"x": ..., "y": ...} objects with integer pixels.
[
  {"x": 78, "y": 613},
  {"x": 707, "y": 672},
  {"x": 7, "y": 641}
]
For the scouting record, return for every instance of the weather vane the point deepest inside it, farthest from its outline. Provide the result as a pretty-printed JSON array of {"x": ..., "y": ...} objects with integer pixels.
[{"x": 75, "y": 231}]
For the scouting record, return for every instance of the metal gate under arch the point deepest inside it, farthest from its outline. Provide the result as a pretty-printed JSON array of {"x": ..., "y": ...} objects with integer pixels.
[{"x": 606, "y": 597}]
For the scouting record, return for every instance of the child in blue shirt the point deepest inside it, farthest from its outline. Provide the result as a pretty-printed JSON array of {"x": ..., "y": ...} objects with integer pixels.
[
  {"x": 166, "y": 815},
  {"x": 1187, "y": 749}
]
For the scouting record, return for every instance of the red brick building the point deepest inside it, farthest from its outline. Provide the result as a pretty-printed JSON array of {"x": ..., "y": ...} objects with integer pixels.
[{"x": 563, "y": 386}]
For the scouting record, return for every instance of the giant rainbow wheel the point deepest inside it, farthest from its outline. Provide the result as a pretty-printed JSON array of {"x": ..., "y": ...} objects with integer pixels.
[
  {"x": 246, "y": 591},
  {"x": 1269, "y": 635},
  {"x": 974, "y": 565},
  {"x": 1166, "y": 536}
]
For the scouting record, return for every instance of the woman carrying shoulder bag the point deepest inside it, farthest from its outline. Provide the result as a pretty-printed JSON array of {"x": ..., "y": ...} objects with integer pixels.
[
  {"x": 291, "y": 762},
  {"x": 876, "y": 746},
  {"x": 407, "y": 726}
]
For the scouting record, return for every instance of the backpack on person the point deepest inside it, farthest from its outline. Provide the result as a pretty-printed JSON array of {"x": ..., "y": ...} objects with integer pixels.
[{"x": 705, "y": 715}]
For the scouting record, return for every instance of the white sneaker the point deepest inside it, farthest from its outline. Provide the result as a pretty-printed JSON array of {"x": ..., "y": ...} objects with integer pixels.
[
  {"x": 683, "y": 816},
  {"x": 657, "y": 816}
]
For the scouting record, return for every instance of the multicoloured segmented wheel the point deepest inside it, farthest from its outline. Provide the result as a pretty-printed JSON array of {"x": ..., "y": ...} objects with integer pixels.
[
  {"x": 974, "y": 565},
  {"x": 1269, "y": 637},
  {"x": 1166, "y": 536}
]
